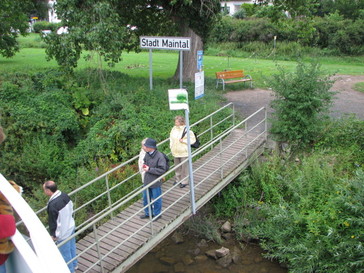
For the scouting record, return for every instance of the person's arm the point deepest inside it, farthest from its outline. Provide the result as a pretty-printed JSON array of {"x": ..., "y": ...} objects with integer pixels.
[
  {"x": 7, "y": 226},
  {"x": 52, "y": 221},
  {"x": 141, "y": 161},
  {"x": 192, "y": 137},
  {"x": 171, "y": 139}
]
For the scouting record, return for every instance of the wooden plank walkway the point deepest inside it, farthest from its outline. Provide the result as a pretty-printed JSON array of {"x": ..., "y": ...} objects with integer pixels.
[{"x": 212, "y": 172}]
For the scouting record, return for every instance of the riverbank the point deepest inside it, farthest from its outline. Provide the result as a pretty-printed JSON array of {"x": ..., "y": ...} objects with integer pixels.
[{"x": 188, "y": 250}]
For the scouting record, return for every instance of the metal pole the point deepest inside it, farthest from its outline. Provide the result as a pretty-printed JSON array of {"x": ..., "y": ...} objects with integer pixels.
[
  {"x": 98, "y": 247},
  {"x": 108, "y": 194},
  {"x": 192, "y": 189},
  {"x": 265, "y": 123},
  {"x": 150, "y": 69},
  {"x": 180, "y": 68}
]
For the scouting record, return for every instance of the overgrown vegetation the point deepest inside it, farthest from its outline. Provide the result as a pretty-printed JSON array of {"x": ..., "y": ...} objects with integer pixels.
[
  {"x": 301, "y": 104},
  {"x": 72, "y": 129},
  {"x": 307, "y": 211},
  {"x": 293, "y": 38}
]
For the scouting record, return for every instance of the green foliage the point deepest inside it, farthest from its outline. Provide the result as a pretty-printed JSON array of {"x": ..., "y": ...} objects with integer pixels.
[
  {"x": 57, "y": 123},
  {"x": 30, "y": 41},
  {"x": 346, "y": 133},
  {"x": 321, "y": 231},
  {"x": 294, "y": 8},
  {"x": 301, "y": 102},
  {"x": 205, "y": 227},
  {"x": 40, "y": 124},
  {"x": 45, "y": 25},
  {"x": 270, "y": 12},
  {"x": 250, "y": 9},
  {"x": 14, "y": 21},
  {"x": 240, "y": 14},
  {"x": 347, "y": 8},
  {"x": 330, "y": 33},
  {"x": 359, "y": 87},
  {"x": 111, "y": 27},
  {"x": 307, "y": 213}
]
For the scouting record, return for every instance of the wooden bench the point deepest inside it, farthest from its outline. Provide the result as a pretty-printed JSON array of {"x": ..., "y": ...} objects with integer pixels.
[{"x": 226, "y": 77}]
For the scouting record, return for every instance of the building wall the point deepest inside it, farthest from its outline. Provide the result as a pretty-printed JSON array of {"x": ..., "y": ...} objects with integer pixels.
[{"x": 234, "y": 6}]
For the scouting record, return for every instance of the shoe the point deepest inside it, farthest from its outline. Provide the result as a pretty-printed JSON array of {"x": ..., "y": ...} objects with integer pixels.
[
  {"x": 175, "y": 183},
  {"x": 157, "y": 218},
  {"x": 144, "y": 216},
  {"x": 182, "y": 185}
]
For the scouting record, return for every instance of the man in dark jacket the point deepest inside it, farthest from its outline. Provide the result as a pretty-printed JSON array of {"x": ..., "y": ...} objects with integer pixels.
[
  {"x": 61, "y": 222},
  {"x": 155, "y": 164}
]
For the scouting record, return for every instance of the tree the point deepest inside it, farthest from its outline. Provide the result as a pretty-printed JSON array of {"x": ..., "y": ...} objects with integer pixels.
[
  {"x": 350, "y": 9},
  {"x": 110, "y": 27},
  {"x": 294, "y": 8},
  {"x": 301, "y": 104},
  {"x": 14, "y": 21}
]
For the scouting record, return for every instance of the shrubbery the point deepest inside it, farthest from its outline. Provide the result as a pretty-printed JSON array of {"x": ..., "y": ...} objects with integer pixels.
[
  {"x": 332, "y": 32},
  {"x": 45, "y": 25},
  {"x": 306, "y": 212},
  {"x": 57, "y": 124},
  {"x": 301, "y": 104}
]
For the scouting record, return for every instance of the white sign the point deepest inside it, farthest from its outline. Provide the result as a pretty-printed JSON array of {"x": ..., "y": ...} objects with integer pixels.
[
  {"x": 199, "y": 84},
  {"x": 178, "y": 99},
  {"x": 170, "y": 43}
]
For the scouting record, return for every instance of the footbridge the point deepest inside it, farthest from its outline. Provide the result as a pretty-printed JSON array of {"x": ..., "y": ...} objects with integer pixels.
[{"x": 108, "y": 208}]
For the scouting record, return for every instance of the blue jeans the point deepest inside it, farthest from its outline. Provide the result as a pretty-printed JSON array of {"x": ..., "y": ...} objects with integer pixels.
[
  {"x": 3, "y": 268},
  {"x": 68, "y": 251},
  {"x": 156, "y": 207}
]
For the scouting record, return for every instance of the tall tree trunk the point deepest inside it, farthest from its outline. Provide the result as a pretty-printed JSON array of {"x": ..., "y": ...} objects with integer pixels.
[{"x": 189, "y": 57}]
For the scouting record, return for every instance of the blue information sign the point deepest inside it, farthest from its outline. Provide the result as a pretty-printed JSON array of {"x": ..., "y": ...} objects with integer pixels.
[{"x": 199, "y": 60}]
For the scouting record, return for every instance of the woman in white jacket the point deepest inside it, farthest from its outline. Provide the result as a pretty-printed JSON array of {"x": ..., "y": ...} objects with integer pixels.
[
  {"x": 141, "y": 160},
  {"x": 179, "y": 149}
]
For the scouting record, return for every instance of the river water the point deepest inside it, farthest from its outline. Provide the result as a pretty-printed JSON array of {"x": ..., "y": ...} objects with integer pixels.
[{"x": 189, "y": 257}]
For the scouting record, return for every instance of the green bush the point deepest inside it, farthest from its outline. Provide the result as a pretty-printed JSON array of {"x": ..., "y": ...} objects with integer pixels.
[
  {"x": 301, "y": 102},
  {"x": 45, "y": 25},
  {"x": 240, "y": 14},
  {"x": 332, "y": 32},
  {"x": 57, "y": 123},
  {"x": 346, "y": 133},
  {"x": 320, "y": 230},
  {"x": 307, "y": 213}
]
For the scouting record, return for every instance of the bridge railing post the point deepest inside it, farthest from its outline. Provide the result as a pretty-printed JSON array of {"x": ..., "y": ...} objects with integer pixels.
[
  {"x": 108, "y": 193},
  {"x": 211, "y": 129},
  {"x": 233, "y": 115},
  {"x": 146, "y": 192},
  {"x": 266, "y": 123},
  {"x": 221, "y": 160},
  {"x": 98, "y": 247}
]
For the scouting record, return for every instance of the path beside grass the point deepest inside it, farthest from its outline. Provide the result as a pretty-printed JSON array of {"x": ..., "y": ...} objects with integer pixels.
[{"x": 347, "y": 100}]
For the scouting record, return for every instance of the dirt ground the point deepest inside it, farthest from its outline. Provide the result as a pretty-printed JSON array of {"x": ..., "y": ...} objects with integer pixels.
[{"x": 347, "y": 100}]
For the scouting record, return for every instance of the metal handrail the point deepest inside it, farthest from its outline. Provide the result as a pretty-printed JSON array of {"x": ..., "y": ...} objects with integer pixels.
[
  {"x": 134, "y": 159},
  {"x": 214, "y": 142},
  {"x": 228, "y": 121}
]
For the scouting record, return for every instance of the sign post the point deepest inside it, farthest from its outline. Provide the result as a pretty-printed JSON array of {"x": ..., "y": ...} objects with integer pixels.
[
  {"x": 168, "y": 43},
  {"x": 178, "y": 100},
  {"x": 199, "y": 77},
  {"x": 150, "y": 69}
]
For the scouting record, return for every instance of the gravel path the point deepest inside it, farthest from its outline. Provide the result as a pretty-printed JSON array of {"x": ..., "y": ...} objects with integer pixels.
[{"x": 347, "y": 100}]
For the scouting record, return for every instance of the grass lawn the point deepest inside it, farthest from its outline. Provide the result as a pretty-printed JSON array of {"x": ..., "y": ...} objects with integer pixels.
[{"x": 165, "y": 63}]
